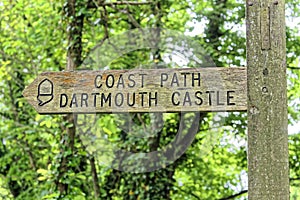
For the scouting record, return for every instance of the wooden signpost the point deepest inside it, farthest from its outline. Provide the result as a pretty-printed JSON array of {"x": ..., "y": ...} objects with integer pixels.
[
  {"x": 268, "y": 167},
  {"x": 262, "y": 93},
  {"x": 139, "y": 90}
]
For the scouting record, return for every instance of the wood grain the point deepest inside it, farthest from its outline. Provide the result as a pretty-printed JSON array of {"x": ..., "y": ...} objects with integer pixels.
[
  {"x": 268, "y": 152},
  {"x": 140, "y": 90}
]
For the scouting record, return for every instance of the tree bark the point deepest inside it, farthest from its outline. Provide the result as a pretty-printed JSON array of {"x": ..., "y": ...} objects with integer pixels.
[
  {"x": 95, "y": 178},
  {"x": 268, "y": 169},
  {"x": 75, "y": 26}
]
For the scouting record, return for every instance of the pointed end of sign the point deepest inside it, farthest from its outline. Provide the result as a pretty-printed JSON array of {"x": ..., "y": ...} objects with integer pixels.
[
  {"x": 25, "y": 92},
  {"x": 28, "y": 91},
  {"x": 39, "y": 94}
]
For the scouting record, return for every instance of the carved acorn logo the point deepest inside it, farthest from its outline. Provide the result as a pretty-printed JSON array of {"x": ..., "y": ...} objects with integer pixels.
[{"x": 45, "y": 92}]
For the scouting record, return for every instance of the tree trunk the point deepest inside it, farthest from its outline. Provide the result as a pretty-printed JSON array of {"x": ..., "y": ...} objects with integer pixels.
[
  {"x": 75, "y": 26},
  {"x": 95, "y": 177}
]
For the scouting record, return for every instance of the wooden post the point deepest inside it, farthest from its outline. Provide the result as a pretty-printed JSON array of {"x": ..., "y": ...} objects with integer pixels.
[{"x": 268, "y": 170}]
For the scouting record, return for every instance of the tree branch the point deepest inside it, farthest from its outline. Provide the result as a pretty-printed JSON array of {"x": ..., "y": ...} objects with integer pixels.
[
  {"x": 132, "y": 3},
  {"x": 245, "y": 191},
  {"x": 117, "y": 3},
  {"x": 187, "y": 192},
  {"x": 90, "y": 155},
  {"x": 104, "y": 16},
  {"x": 95, "y": 177},
  {"x": 31, "y": 157},
  {"x": 235, "y": 195},
  {"x": 297, "y": 68},
  {"x": 295, "y": 179}
]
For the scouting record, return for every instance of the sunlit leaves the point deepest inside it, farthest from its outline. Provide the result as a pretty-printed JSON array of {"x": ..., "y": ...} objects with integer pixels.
[{"x": 33, "y": 38}]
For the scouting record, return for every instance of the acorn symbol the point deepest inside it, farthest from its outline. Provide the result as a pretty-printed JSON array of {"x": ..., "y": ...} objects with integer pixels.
[{"x": 45, "y": 92}]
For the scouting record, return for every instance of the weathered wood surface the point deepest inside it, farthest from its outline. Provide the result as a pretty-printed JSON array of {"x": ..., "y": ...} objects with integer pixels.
[
  {"x": 268, "y": 168},
  {"x": 139, "y": 90}
]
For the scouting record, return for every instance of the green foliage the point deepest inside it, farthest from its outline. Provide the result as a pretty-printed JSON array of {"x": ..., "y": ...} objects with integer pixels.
[{"x": 35, "y": 36}]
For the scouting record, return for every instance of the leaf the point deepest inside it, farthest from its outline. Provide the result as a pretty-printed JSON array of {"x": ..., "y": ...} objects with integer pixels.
[{"x": 42, "y": 171}]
